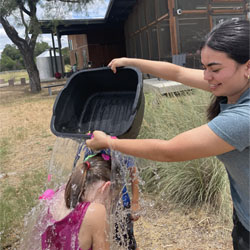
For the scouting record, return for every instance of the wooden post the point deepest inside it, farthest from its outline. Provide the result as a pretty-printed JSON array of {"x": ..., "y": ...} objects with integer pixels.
[
  {"x": 11, "y": 82},
  {"x": 210, "y": 16},
  {"x": 172, "y": 27},
  {"x": 23, "y": 81}
]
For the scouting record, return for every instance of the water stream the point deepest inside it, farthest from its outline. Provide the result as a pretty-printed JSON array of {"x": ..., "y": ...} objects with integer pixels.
[{"x": 66, "y": 153}]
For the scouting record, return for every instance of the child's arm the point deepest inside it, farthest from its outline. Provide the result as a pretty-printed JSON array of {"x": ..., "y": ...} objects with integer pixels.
[{"x": 135, "y": 207}]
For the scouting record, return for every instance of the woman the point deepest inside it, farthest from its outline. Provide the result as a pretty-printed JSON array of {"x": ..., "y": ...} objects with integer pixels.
[
  {"x": 225, "y": 58},
  {"x": 77, "y": 213}
]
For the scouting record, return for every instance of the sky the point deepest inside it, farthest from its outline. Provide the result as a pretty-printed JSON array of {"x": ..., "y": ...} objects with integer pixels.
[{"x": 95, "y": 10}]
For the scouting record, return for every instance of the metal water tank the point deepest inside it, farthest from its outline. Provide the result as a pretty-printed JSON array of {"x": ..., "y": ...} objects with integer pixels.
[{"x": 46, "y": 65}]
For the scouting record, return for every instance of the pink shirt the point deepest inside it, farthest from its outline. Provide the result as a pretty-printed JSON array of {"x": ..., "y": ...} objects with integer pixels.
[{"x": 63, "y": 234}]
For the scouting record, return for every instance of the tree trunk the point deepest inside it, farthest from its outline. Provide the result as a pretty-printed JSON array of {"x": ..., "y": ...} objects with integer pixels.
[
  {"x": 27, "y": 50},
  {"x": 35, "y": 84}
]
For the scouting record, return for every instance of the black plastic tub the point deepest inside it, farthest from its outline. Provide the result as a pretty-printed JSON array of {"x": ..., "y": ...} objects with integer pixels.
[{"x": 98, "y": 99}]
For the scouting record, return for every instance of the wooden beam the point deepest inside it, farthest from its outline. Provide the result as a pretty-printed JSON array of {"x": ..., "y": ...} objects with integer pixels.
[
  {"x": 172, "y": 27},
  {"x": 194, "y": 11},
  {"x": 217, "y": 1},
  {"x": 241, "y": 11},
  {"x": 210, "y": 16}
]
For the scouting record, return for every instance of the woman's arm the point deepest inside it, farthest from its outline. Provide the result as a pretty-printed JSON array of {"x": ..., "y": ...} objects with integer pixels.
[
  {"x": 193, "y": 144},
  {"x": 169, "y": 71}
]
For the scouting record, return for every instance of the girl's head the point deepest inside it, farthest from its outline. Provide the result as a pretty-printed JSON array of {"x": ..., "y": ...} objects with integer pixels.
[
  {"x": 93, "y": 171},
  {"x": 232, "y": 38}
]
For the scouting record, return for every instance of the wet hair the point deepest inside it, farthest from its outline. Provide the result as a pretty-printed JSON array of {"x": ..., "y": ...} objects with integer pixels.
[
  {"x": 85, "y": 174},
  {"x": 232, "y": 38}
]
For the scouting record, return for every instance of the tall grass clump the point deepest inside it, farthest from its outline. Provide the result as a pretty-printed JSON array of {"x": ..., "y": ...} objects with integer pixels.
[{"x": 197, "y": 183}]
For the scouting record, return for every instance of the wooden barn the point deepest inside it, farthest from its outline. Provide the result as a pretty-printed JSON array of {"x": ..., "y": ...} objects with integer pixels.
[{"x": 168, "y": 30}]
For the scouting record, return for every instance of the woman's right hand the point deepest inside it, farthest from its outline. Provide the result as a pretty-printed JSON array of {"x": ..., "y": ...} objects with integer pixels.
[
  {"x": 118, "y": 62},
  {"x": 99, "y": 141}
]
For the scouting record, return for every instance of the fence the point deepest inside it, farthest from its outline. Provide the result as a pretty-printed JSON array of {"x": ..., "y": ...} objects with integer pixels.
[{"x": 11, "y": 82}]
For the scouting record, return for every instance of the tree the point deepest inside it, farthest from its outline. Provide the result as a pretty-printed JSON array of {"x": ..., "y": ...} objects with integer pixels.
[
  {"x": 24, "y": 13},
  {"x": 40, "y": 48},
  {"x": 7, "y": 63},
  {"x": 11, "y": 58}
]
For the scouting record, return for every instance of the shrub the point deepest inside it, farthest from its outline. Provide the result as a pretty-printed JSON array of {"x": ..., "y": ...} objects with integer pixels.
[{"x": 192, "y": 183}]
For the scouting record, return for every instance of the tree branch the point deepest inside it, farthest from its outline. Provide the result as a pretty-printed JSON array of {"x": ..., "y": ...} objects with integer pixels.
[
  {"x": 25, "y": 25},
  {"x": 21, "y": 7},
  {"x": 34, "y": 23},
  {"x": 12, "y": 33}
]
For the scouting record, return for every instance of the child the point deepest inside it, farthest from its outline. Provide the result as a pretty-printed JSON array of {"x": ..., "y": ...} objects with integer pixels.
[
  {"x": 82, "y": 219},
  {"x": 124, "y": 227}
]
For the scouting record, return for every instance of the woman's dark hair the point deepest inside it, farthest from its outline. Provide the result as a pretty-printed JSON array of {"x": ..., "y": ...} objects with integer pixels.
[
  {"x": 232, "y": 38},
  {"x": 83, "y": 176}
]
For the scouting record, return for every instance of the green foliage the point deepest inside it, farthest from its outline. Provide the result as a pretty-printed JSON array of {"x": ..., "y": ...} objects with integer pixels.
[
  {"x": 40, "y": 48},
  {"x": 12, "y": 52},
  {"x": 11, "y": 59},
  {"x": 7, "y": 7},
  {"x": 78, "y": 6},
  {"x": 6, "y": 63},
  {"x": 191, "y": 183}
]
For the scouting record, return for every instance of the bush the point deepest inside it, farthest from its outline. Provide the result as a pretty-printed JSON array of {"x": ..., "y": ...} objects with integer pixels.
[{"x": 192, "y": 183}]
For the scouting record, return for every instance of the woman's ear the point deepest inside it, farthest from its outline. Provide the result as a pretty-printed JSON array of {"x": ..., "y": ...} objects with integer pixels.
[{"x": 247, "y": 72}]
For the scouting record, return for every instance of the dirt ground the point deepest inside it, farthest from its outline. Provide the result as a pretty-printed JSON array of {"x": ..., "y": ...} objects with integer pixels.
[
  {"x": 177, "y": 229},
  {"x": 25, "y": 122}
]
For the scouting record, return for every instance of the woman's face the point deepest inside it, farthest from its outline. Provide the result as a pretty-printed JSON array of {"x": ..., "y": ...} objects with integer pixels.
[{"x": 224, "y": 75}]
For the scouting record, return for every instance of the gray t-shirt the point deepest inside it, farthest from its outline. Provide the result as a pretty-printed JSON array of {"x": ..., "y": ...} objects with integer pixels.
[{"x": 233, "y": 126}]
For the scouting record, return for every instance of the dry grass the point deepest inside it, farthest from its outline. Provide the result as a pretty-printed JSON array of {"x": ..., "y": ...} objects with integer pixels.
[
  {"x": 164, "y": 227},
  {"x": 16, "y": 75},
  {"x": 26, "y": 145}
]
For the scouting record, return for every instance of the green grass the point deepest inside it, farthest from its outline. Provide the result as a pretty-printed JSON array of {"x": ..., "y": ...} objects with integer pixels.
[
  {"x": 196, "y": 183},
  {"x": 4, "y": 148},
  {"x": 17, "y": 201}
]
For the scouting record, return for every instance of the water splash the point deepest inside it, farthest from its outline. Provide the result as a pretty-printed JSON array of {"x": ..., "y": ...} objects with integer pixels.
[
  {"x": 59, "y": 170},
  {"x": 66, "y": 153}
]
